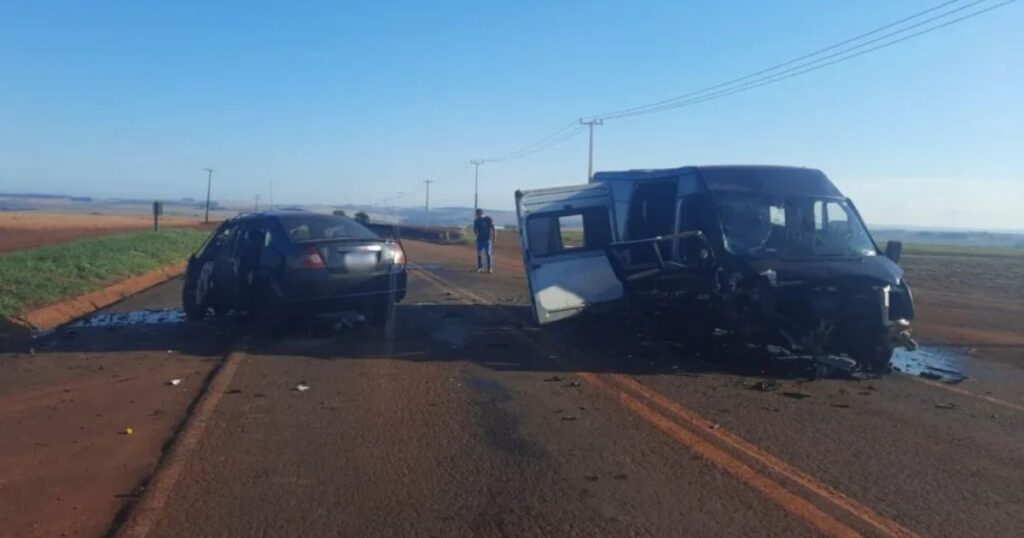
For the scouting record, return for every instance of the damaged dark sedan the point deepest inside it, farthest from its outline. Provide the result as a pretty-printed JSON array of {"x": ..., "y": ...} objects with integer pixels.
[
  {"x": 278, "y": 265},
  {"x": 775, "y": 256}
]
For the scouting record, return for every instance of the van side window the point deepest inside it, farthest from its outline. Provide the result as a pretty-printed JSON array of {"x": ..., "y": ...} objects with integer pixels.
[{"x": 555, "y": 233}]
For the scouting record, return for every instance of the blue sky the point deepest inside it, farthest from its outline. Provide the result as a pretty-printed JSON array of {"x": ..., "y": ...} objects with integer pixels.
[{"x": 354, "y": 102}]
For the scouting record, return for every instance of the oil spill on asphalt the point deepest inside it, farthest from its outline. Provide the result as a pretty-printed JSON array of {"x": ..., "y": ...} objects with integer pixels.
[
  {"x": 500, "y": 425},
  {"x": 941, "y": 363},
  {"x": 132, "y": 319}
]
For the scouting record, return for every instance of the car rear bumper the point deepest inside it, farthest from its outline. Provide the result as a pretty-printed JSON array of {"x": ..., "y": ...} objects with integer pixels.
[{"x": 340, "y": 292}]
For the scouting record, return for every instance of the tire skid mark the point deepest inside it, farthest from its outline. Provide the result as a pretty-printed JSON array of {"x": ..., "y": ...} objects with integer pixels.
[{"x": 788, "y": 500}]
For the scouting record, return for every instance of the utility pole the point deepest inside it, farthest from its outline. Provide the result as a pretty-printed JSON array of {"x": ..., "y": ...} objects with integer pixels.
[
  {"x": 590, "y": 161},
  {"x": 209, "y": 182},
  {"x": 476, "y": 183},
  {"x": 427, "y": 206}
]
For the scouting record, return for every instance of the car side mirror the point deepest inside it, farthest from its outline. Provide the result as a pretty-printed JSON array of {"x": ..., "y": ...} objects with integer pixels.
[{"x": 893, "y": 249}]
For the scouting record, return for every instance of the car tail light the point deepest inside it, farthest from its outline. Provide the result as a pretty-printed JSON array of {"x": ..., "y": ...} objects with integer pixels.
[
  {"x": 397, "y": 257},
  {"x": 311, "y": 259}
]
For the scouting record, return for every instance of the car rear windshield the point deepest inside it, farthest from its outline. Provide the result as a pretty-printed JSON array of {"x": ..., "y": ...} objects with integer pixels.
[{"x": 307, "y": 228}]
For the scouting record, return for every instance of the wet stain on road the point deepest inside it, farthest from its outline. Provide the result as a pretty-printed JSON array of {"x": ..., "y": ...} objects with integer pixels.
[
  {"x": 500, "y": 425},
  {"x": 939, "y": 363}
]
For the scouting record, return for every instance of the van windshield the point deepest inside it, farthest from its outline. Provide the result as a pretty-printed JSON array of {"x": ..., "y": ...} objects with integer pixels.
[{"x": 760, "y": 225}]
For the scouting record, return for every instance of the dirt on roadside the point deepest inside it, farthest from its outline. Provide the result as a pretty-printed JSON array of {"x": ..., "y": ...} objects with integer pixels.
[{"x": 87, "y": 412}]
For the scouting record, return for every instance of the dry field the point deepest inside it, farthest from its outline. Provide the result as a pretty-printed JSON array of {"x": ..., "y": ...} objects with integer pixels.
[{"x": 20, "y": 230}]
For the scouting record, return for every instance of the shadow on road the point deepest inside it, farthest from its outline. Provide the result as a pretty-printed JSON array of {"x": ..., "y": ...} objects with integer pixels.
[{"x": 498, "y": 337}]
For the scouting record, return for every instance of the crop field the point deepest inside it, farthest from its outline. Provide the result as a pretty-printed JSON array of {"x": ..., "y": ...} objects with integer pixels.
[
  {"x": 21, "y": 230},
  {"x": 48, "y": 274}
]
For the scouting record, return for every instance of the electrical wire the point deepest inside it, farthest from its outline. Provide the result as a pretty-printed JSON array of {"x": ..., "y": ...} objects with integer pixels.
[
  {"x": 807, "y": 67},
  {"x": 780, "y": 65}
]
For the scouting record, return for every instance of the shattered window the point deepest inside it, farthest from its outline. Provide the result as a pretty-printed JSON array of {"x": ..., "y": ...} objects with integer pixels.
[{"x": 764, "y": 226}]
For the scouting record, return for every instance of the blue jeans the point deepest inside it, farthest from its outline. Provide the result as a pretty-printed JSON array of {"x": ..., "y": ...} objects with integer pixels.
[{"x": 484, "y": 247}]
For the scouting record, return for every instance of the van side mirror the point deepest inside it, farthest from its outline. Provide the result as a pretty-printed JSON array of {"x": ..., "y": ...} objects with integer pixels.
[{"x": 893, "y": 249}]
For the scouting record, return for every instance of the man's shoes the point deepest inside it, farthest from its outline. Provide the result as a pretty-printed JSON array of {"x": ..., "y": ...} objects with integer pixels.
[
  {"x": 479, "y": 269},
  {"x": 490, "y": 270}
]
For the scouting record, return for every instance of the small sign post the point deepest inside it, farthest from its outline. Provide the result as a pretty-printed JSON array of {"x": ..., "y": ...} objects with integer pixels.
[{"x": 158, "y": 209}]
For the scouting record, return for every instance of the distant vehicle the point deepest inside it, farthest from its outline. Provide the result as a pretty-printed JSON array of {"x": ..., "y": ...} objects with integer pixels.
[
  {"x": 772, "y": 255},
  {"x": 280, "y": 264}
]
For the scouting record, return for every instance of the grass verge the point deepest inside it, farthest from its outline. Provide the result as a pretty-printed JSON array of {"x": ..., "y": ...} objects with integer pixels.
[{"x": 45, "y": 275}]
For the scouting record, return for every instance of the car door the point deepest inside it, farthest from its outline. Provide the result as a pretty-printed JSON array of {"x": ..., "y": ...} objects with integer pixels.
[
  {"x": 227, "y": 286},
  {"x": 564, "y": 233}
]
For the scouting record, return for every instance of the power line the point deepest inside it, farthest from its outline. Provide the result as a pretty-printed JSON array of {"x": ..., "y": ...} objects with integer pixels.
[
  {"x": 795, "y": 67},
  {"x": 807, "y": 67},
  {"x": 608, "y": 115},
  {"x": 543, "y": 143}
]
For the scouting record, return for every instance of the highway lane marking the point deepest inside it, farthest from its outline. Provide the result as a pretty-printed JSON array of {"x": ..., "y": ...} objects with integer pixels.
[
  {"x": 150, "y": 508},
  {"x": 773, "y": 490},
  {"x": 879, "y": 522},
  {"x": 970, "y": 394}
]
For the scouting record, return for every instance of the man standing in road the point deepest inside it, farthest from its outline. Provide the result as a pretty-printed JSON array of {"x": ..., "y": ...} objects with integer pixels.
[{"x": 483, "y": 227}]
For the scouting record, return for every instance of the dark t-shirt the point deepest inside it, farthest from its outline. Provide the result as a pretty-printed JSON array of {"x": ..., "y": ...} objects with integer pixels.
[{"x": 483, "y": 227}]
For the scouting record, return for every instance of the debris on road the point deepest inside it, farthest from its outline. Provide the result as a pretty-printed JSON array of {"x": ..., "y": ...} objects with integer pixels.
[
  {"x": 128, "y": 431},
  {"x": 233, "y": 391},
  {"x": 302, "y": 387},
  {"x": 553, "y": 378},
  {"x": 572, "y": 384},
  {"x": 569, "y": 417},
  {"x": 841, "y": 405},
  {"x": 796, "y": 395},
  {"x": 945, "y": 406},
  {"x": 763, "y": 386},
  {"x": 174, "y": 382}
]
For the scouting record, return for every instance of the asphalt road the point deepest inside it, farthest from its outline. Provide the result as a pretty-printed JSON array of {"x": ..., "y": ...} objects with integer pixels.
[{"x": 468, "y": 421}]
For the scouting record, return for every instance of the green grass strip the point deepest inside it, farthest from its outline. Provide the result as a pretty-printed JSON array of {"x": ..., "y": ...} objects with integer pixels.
[{"x": 45, "y": 275}]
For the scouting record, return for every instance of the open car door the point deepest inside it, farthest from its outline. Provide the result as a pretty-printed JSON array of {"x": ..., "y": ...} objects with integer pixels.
[{"x": 564, "y": 233}]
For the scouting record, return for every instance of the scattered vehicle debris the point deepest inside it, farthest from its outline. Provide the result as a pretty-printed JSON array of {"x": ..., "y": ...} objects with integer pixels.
[
  {"x": 553, "y": 378},
  {"x": 302, "y": 387},
  {"x": 774, "y": 255},
  {"x": 174, "y": 382},
  {"x": 764, "y": 386},
  {"x": 945, "y": 406},
  {"x": 796, "y": 395}
]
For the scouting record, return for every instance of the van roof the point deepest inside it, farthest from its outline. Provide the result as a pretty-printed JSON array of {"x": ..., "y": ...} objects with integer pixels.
[{"x": 782, "y": 180}]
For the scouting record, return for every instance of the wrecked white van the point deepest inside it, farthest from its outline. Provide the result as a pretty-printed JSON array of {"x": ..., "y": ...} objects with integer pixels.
[{"x": 771, "y": 255}]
